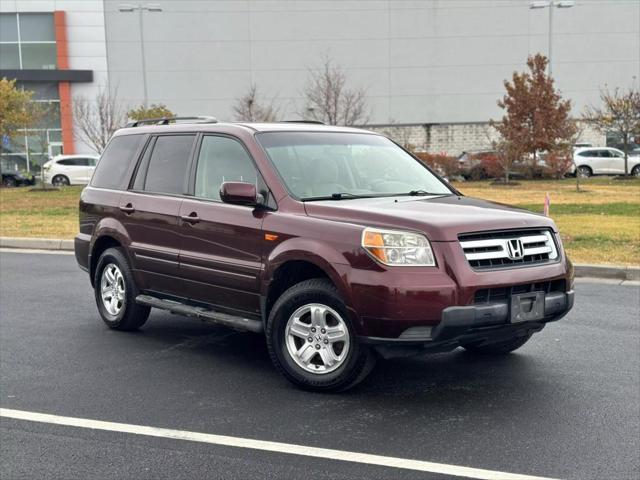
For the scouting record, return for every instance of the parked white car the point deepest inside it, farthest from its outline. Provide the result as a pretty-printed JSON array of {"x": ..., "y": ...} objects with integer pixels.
[
  {"x": 603, "y": 161},
  {"x": 69, "y": 169}
]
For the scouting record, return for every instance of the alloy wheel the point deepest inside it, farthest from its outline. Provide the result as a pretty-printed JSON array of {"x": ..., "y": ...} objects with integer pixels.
[
  {"x": 317, "y": 338},
  {"x": 584, "y": 172},
  {"x": 112, "y": 289}
]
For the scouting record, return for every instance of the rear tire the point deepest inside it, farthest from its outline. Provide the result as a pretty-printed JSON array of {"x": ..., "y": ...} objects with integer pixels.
[
  {"x": 584, "y": 171},
  {"x": 116, "y": 291},
  {"x": 636, "y": 171},
  {"x": 311, "y": 316},
  {"x": 60, "y": 181},
  {"x": 501, "y": 348}
]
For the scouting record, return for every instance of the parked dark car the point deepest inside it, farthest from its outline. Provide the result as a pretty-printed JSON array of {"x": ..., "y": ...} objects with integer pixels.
[
  {"x": 483, "y": 164},
  {"x": 17, "y": 179},
  {"x": 335, "y": 243}
]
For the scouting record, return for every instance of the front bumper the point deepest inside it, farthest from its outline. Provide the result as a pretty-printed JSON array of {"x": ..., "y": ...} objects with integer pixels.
[{"x": 474, "y": 324}]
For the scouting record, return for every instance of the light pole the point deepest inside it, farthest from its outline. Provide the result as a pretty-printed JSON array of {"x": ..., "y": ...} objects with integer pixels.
[
  {"x": 140, "y": 8},
  {"x": 551, "y": 4}
]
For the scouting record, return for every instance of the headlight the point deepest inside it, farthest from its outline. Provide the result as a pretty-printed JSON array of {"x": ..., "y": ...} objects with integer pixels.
[{"x": 398, "y": 248}]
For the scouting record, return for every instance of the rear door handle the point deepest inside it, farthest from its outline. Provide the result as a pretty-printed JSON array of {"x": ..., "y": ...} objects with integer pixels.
[
  {"x": 191, "y": 218},
  {"x": 128, "y": 208}
]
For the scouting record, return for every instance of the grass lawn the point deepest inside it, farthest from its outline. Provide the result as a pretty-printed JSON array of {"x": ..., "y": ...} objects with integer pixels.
[
  {"x": 601, "y": 224},
  {"x": 25, "y": 213}
]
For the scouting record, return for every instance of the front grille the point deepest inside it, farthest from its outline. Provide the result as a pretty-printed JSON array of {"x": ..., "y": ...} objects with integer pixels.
[
  {"x": 508, "y": 248},
  {"x": 496, "y": 295}
]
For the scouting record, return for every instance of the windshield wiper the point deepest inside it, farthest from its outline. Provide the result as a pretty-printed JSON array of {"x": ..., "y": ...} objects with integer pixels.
[
  {"x": 336, "y": 196},
  {"x": 419, "y": 193},
  {"x": 341, "y": 195}
]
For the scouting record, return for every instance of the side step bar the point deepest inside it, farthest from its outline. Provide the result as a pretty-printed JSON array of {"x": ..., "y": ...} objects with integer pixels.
[{"x": 232, "y": 321}]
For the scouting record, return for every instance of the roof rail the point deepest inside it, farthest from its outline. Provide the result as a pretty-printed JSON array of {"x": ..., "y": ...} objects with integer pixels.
[
  {"x": 315, "y": 122},
  {"x": 168, "y": 120}
]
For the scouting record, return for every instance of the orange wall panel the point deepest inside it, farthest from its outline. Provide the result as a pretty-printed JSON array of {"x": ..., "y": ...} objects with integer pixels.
[{"x": 64, "y": 88}]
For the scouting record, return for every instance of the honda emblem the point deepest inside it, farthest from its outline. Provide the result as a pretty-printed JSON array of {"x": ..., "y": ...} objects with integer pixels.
[{"x": 515, "y": 249}]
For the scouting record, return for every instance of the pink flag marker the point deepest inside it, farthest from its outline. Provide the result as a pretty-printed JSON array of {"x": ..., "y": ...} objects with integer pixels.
[{"x": 547, "y": 203}]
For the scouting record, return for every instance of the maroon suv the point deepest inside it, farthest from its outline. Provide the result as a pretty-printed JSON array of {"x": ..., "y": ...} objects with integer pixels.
[{"x": 335, "y": 243}]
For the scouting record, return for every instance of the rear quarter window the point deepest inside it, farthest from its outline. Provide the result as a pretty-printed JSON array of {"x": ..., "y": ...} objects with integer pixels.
[{"x": 115, "y": 162}]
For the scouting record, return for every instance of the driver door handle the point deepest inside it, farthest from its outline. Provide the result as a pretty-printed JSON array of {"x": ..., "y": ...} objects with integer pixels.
[
  {"x": 191, "y": 218},
  {"x": 128, "y": 208}
]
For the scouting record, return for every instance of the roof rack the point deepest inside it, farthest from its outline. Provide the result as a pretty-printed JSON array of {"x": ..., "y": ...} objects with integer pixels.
[
  {"x": 315, "y": 122},
  {"x": 168, "y": 120}
]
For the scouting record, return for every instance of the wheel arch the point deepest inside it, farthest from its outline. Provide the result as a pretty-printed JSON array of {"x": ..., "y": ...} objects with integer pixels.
[
  {"x": 294, "y": 266},
  {"x": 109, "y": 233}
]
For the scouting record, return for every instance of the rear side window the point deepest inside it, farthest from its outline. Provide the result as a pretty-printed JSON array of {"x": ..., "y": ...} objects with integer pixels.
[
  {"x": 73, "y": 162},
  {"x": 115, "y": 161},
  {"x": 168, "y": 164}
]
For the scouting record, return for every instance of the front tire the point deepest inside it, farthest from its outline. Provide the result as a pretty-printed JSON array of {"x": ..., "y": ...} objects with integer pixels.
[
  {"x": 60, "y": 181},
  {"x": 501, "y": 348},
  {"x": 312, "y": 341},
  {"x": 9, "y": 182},
  {"x": 116, "y": 291}
]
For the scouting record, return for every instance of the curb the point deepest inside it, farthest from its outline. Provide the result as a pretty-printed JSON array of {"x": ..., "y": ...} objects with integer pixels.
[
  {"x": 617, "y": 272},
  {"x": 36, "y": 243}
]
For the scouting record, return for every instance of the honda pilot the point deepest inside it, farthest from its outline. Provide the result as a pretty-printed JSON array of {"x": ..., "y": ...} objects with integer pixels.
[{"x": 335, "y": 243}]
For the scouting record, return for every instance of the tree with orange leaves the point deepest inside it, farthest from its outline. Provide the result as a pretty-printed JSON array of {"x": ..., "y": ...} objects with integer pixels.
[{"x": 536, "y": 117}]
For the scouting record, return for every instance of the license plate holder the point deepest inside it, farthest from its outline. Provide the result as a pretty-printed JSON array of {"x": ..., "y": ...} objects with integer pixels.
[{"x": 526, "y": 307}]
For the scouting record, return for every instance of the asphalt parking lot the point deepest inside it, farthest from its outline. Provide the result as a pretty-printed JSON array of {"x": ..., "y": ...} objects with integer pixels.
[{"x": 566, "y": 405}]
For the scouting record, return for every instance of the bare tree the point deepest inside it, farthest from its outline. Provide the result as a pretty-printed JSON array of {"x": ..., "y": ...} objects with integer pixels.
[
  {"x": 328, "y": 100},
  {"x": 97, "y": 118},
  {"x": 249, "y": 108},
  {"x": 619, "y": 114}
]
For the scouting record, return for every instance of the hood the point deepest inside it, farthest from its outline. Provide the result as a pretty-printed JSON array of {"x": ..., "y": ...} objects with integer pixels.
[{"x": 442, "y": 218}]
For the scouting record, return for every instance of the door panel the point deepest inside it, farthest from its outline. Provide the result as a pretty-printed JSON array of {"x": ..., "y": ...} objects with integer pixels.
[
  {"x": 617, "y": 163},
  {"x": 221, "y": 254},
  {"x": 152, "y": 224},
  {"x": 151, "y": 212},
  {"x": 605, "y": 158}
]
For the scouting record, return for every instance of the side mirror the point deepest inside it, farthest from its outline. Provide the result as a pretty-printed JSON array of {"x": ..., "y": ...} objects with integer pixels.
[{"x": 240, "y": 193}]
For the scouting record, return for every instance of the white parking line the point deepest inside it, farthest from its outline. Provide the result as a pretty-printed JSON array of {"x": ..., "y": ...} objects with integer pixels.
[{"x": 277, "y": 447}]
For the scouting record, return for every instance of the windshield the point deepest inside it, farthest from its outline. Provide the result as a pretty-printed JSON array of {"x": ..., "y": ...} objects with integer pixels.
[{"x": 319, "y": 165}]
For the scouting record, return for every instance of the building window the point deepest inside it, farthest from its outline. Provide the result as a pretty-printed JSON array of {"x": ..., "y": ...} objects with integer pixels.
[
  {"x": 27, "y": 41},
  {"x": 34, "y": 146}
]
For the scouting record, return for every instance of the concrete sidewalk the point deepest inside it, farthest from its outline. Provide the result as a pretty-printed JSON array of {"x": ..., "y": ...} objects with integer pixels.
[{"x": 613, "y": 272}]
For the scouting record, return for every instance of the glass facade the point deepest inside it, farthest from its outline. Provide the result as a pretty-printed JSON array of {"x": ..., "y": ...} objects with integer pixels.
[{"x": 28, "y": 42}]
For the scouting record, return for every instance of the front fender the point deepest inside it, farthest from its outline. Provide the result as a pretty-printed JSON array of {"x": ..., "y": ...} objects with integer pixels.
[{"x": 318, "y": 253}]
